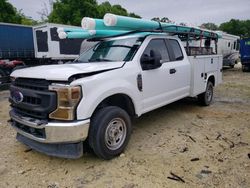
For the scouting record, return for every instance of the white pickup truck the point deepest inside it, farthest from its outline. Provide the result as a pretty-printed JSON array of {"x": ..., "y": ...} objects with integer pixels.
[{"x": 54, "y": 108}]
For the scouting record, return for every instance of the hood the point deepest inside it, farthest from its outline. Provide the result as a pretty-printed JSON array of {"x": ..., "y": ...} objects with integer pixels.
[{"x": 64, "y": 71}]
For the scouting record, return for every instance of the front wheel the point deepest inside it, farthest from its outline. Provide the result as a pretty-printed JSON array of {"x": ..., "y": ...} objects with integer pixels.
[
  {"x": 110, "y": 131},
  {"x": 206, "y": 98}
]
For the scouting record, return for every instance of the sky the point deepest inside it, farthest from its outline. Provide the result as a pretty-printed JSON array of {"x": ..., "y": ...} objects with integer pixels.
[{"x": 193, "y": 12}]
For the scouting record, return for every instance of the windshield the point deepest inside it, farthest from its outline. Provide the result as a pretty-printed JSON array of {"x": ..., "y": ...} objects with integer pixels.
[{"x": 112, "y": 50}]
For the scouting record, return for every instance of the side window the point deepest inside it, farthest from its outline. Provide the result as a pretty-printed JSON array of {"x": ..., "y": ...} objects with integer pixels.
[
  {"x": 159, "y": 45},
  {"x": 178, "y": 55}
]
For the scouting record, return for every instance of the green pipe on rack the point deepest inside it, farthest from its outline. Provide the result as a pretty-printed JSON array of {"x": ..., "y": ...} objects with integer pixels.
[
  {"x": 98, "y": 24},
  {"x": 90, "y": 34},
  {"x": 65, "y": 29}
]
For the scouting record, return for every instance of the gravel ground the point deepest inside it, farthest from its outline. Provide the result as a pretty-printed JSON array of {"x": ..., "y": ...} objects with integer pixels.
[{"x": 203, "y": 146}]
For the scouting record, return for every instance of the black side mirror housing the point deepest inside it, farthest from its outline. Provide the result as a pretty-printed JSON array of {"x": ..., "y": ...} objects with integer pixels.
[{"x": 151, "y": 62}]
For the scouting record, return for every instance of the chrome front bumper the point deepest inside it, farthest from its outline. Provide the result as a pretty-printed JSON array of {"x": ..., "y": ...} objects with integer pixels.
[{"x": 54, "y": 132}]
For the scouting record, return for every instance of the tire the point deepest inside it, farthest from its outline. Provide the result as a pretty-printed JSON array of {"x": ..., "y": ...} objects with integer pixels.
[
  {"x": 245, "y": 68},
  {"x": 109, "y": 133},
  {"x": 2, "y": 74},
  {"x": 206, "y": 98}
]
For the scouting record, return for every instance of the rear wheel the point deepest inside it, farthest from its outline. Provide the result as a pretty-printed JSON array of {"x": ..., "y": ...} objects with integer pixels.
[
  {"x": 110, "y": 131},
  {"x": 206, "y": 98}
]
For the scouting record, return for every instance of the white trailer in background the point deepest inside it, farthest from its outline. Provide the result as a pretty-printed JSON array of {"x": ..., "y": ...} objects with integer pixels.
[
  {"x": 49, "y": 47},
  {"x": 228, "y": 47}
]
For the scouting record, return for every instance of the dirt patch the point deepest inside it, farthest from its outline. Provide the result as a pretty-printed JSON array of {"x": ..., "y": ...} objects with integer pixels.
[{"x": 203, "y": 146}]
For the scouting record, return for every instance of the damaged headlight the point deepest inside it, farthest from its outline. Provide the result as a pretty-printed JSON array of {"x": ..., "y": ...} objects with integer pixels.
[{"x": 68, "y": 98}]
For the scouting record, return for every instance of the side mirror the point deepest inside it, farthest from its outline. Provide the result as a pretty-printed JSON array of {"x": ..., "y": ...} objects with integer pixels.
[{"x": 151, "y": 62}]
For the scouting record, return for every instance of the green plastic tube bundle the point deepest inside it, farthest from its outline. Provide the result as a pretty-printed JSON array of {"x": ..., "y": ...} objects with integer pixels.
[
  {"x": 63, "y": 29},
  {"x": 98, "y": 24},
  {"x": 74, "y": 35},
  {"x": 112, "y": 20},
  {"x": 112, "y": 25},
  {"x": 90, "y": 34}
]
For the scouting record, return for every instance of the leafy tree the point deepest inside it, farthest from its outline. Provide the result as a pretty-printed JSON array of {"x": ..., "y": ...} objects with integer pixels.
[
  {"x": 118, "y": 9},
  {"x": 237, "y": 27},
  {"x": 210, "y": 26},
  {"x": 104, "y": 8},
  {"x": 134, "y": 15},
  {"x": 72, "y": 11},
  {"x": 234, "y": 27},
  {"x": 27, "y": 21},
  {"x": 8, "y": 13}
]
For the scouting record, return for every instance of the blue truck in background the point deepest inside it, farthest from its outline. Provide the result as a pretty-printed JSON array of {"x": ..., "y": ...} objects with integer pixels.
[
  {"x": 245, "y": 54},
  {"x": 16, "y": 46},
  {"x": 16, "y": 42},
  {"x": 35, "y": 45}
]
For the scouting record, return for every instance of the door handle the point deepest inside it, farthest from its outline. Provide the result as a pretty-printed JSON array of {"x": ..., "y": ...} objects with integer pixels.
[{"x": 172, "y": 71}]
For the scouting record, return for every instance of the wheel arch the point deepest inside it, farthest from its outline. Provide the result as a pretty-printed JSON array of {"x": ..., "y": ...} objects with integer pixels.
[
  {"x": 211, "y": 78},
  {"x": 120, "y": 100}
]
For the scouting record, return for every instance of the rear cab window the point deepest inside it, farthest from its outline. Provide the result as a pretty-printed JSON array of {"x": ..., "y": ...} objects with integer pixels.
[{"x": 176, "y": 49}]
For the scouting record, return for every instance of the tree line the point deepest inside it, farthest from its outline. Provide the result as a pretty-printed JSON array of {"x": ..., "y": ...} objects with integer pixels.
[
  {"x": 9, "y": 14},
  {"x": 71, "y": 12},
  {"x": 234, "y": 27},
  {"x": 68, "y": 12}
]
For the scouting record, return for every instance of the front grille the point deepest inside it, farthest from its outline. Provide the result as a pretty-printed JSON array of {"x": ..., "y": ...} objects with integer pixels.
[
  {"x": 40, "y": 133},
  {"x": 34, "y": 84},
  {"x": 32, "y": 100},
  {"x": 28, "y": 113},
  {"x": 37, "y": 102}
]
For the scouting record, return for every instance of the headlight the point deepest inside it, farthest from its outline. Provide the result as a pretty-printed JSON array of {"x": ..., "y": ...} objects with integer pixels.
[{"x": 68, "y": 98}]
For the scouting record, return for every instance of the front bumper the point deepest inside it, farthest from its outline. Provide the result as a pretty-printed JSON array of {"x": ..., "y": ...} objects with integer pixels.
[
  {"x": 64, "y": 150},
  {"x": 50, "y": 132}
]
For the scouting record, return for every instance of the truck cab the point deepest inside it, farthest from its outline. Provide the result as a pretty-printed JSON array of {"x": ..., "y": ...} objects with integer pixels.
[{"x": 55, "y": 108}]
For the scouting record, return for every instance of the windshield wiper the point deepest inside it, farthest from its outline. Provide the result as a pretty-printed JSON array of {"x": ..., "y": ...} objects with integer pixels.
[
  {"x": 99, "y": 60},
  {"x": 79, "y": 61}
]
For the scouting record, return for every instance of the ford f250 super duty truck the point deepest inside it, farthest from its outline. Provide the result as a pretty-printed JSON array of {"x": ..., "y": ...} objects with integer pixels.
[{"x": 55, "y": 108}]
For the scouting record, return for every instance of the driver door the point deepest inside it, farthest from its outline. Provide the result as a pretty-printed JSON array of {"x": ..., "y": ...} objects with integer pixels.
[{"x": 159, "y": 83}]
